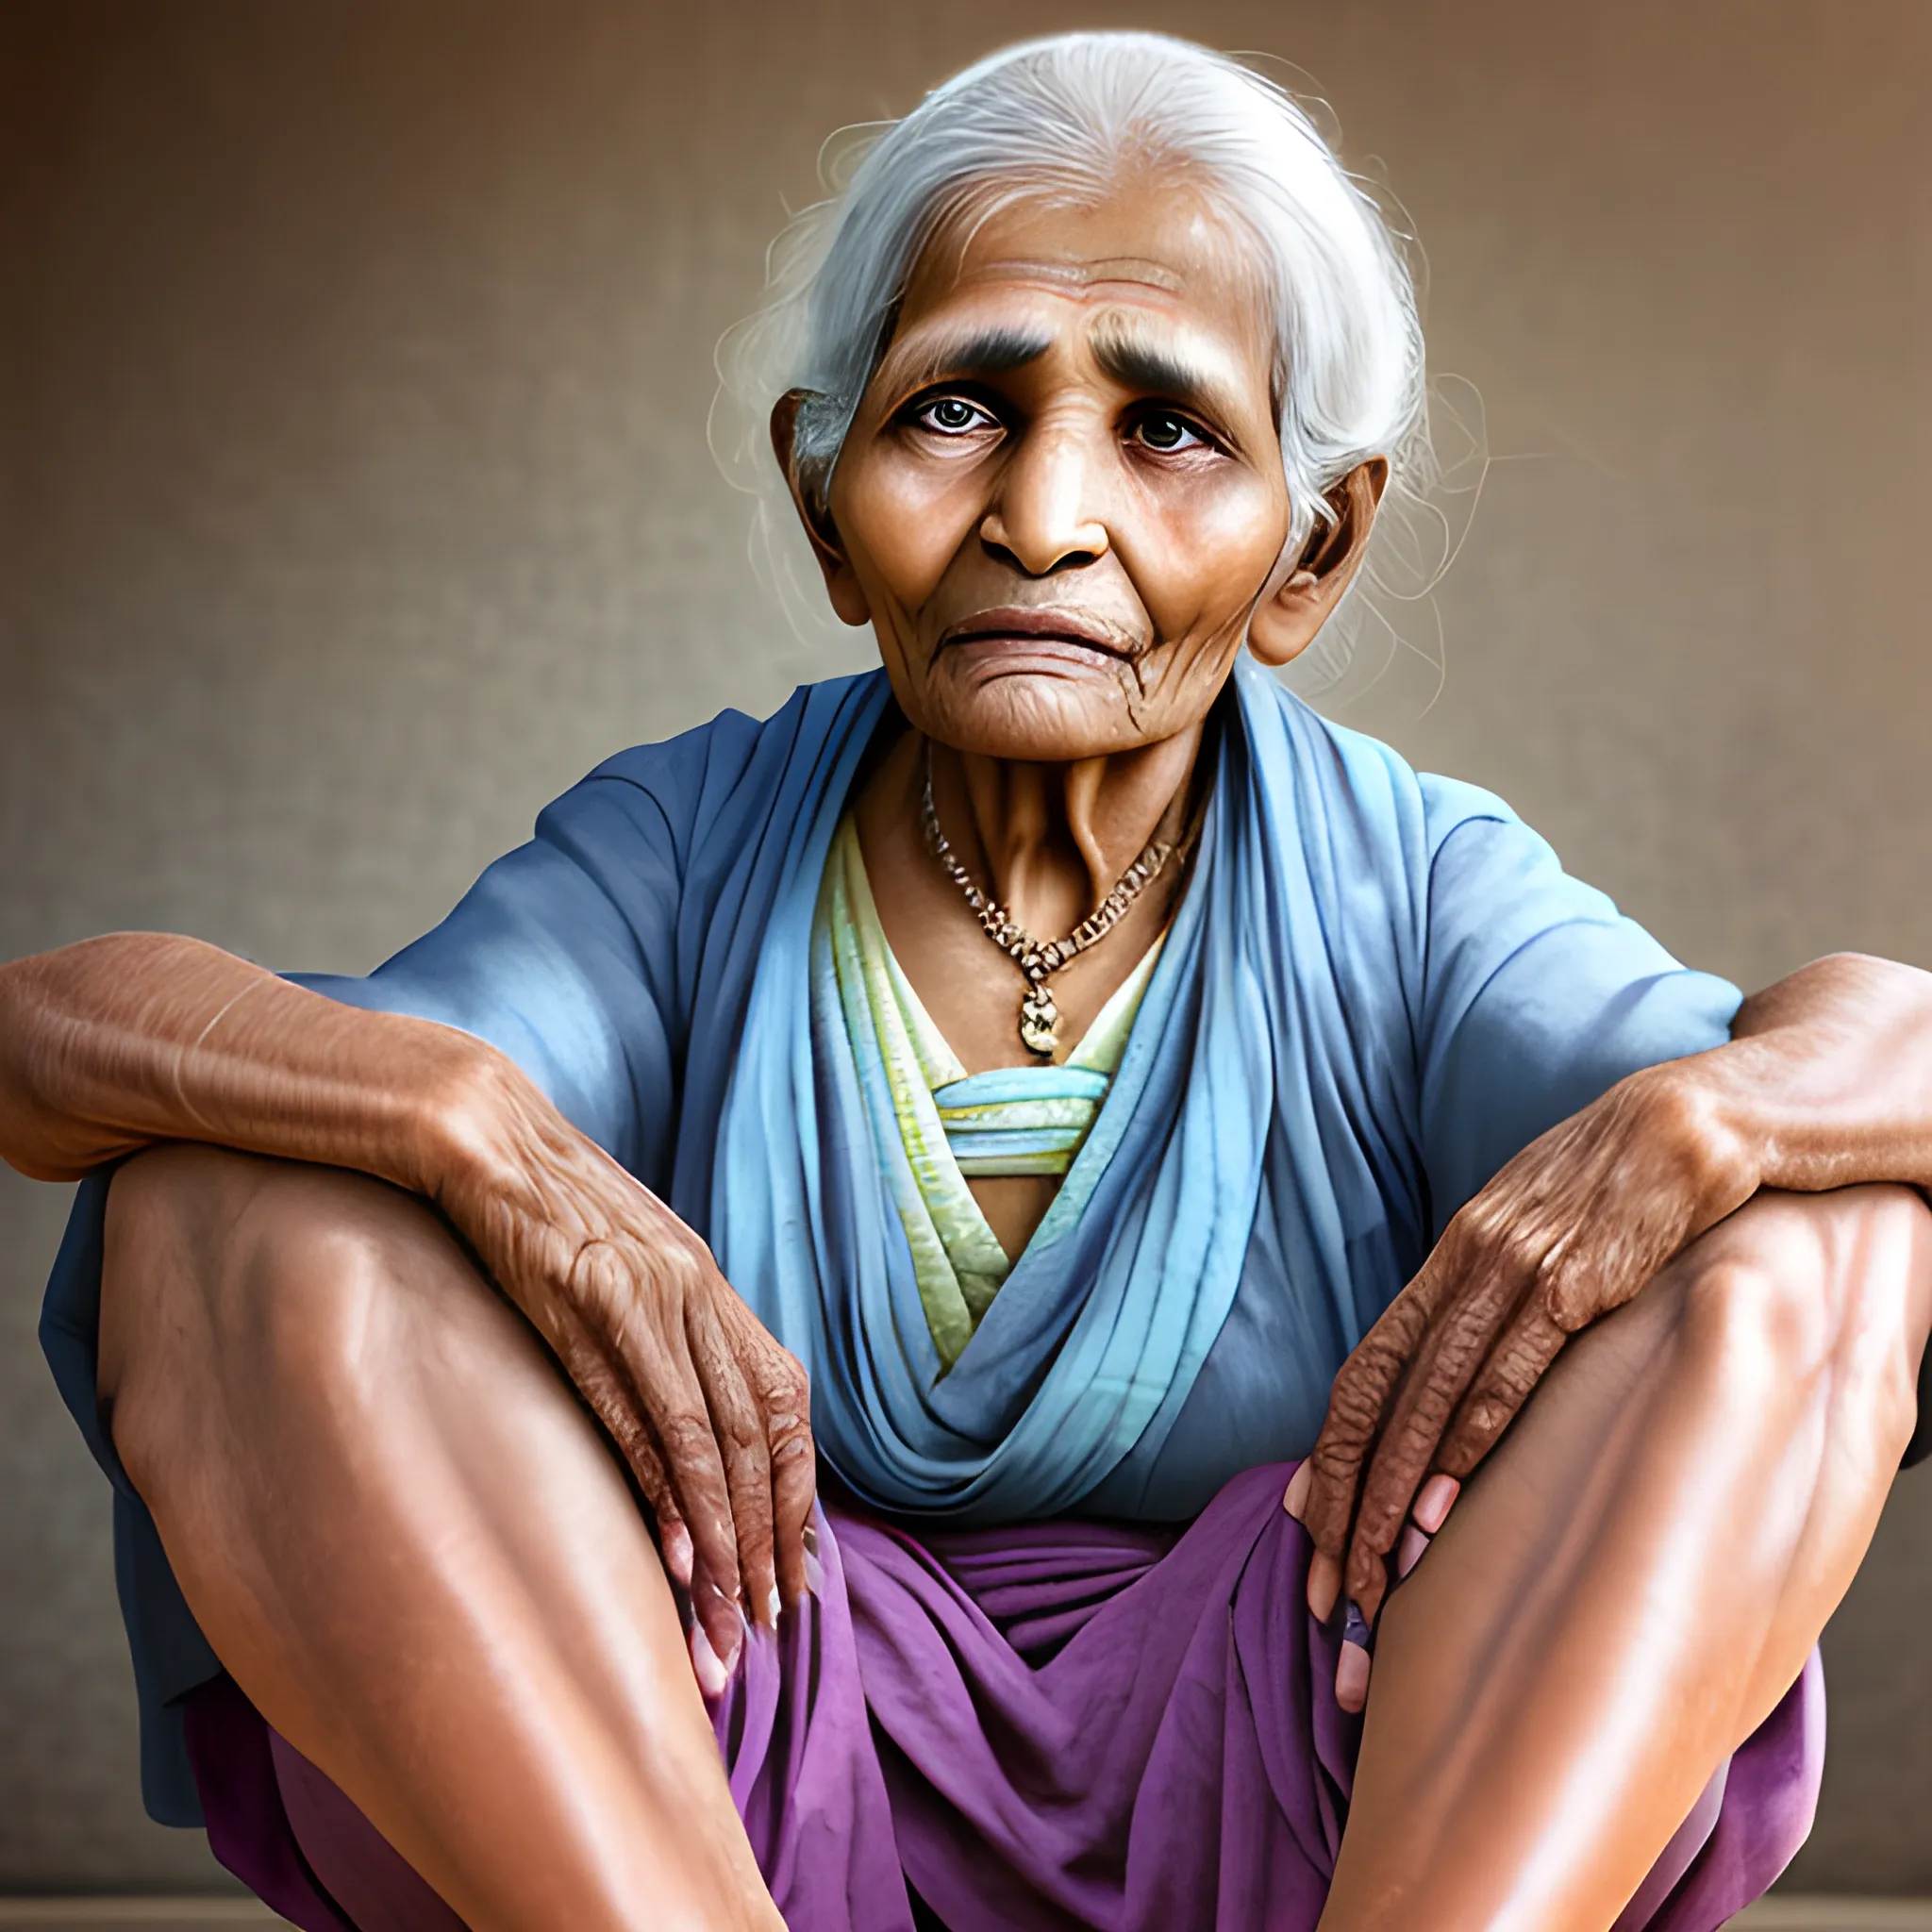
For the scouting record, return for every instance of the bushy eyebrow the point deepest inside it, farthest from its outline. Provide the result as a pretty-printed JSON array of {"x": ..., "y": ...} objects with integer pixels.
[
  {"x": 961, "y": 359},
  {"x": 1140, "y": 361}
]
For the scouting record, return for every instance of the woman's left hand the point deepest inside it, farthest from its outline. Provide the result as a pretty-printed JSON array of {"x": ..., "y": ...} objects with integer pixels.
[{"x": 1827, "y": 1082}]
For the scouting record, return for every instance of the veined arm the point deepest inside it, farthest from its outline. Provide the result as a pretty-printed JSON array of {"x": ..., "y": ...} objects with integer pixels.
[{"x": 115, "y": 1044}]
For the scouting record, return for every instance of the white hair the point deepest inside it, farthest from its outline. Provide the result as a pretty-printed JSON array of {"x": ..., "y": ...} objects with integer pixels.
[{"x": 1062, "y": 119}]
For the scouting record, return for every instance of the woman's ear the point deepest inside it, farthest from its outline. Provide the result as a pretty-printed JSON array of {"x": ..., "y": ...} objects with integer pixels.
[
  {"x": 815, "y": 513},
  {"x": 1286, "y": 620}
]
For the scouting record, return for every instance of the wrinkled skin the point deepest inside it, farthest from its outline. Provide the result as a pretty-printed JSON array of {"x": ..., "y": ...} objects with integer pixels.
[
  {"x": 1061, "y": 502},
  {"x": 1577, "y": 1223},
  {"x": 117, "y": 1042},
  {"x": 1061, "y": 510},
  {"x": 680, "y": 1371}
]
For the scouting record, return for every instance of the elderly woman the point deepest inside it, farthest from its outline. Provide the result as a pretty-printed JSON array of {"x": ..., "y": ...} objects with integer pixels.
[{"x": 1057, "y": 1050}]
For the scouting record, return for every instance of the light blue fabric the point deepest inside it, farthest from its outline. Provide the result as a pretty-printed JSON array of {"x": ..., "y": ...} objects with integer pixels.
[
  {"x": 999, "y": 1122},
  {"x": 997, "y": 1150},
  {"x": 1267, "y": 1129},
  {"x": 1377, "y": 988},
  {"x": 1021, "y": 1086}
]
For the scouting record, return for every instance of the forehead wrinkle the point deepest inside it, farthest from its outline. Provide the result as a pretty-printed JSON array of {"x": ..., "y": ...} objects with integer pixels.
[
  {"x": 964, "y": 354},
  {"x": 1083, "y": 274}
]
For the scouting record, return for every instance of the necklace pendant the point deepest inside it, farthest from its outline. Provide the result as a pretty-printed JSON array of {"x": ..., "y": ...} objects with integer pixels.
[{"x": 1040, "y": 1020}]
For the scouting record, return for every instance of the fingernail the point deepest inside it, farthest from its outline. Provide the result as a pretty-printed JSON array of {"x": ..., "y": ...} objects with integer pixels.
[
  {"x": 772, "y": 1606},
  {"x": 1352, "y": 1677},
  {"x": 1408, "y": 1552},
  {"x": 1296, "y": 1500},
  {"x": 714, "y": 1673},
  {"x": 811, "y": 1539},
  {"x": 1434, "y": 1501},
  {"x": 676, "y": 1543},
  {"x": 1324, "y": 1584},
  {"x": 814, "y": 1574}
]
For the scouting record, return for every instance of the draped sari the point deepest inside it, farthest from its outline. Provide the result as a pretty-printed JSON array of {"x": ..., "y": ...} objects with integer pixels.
[{"x": 1376, "y": 987}]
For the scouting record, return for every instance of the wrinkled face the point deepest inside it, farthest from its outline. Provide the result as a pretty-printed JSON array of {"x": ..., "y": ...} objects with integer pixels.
[{"x": 1062, "y": 496}]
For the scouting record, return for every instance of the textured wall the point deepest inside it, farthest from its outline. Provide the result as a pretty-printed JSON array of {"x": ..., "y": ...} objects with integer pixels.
[{"x": 353, "y": 499}]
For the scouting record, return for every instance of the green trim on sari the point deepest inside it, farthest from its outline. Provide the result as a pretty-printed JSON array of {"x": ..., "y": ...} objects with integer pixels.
[{"x": 954, "y": 1126}]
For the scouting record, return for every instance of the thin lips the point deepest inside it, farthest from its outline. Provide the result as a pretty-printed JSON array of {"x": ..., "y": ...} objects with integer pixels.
[{"x": 1045, "y": 625}]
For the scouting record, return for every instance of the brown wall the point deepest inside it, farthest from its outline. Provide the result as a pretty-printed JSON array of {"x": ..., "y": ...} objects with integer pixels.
[{"x": 356, "y": 499}]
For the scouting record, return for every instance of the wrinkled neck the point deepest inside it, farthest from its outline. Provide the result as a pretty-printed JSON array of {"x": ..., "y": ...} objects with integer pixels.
[{"x": 1049, "y": 840}]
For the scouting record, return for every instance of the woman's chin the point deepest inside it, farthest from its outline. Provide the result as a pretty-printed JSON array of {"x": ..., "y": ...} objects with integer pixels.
[{"x": 1043, "y": 718}]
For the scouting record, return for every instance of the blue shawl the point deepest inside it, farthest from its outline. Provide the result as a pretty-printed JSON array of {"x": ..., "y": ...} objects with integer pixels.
[{"x": 1376, "y": 988}]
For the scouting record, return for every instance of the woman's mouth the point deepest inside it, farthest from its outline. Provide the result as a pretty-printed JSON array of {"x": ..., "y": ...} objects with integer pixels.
[{"x": 1047, "y": 637}]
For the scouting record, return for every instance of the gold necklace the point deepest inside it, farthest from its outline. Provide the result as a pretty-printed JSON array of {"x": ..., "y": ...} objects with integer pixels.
[{"x": 1039, "y": 1018}]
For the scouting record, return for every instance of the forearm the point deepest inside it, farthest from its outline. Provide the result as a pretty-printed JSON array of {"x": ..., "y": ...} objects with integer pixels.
[{"x": 116, "y": 1042}]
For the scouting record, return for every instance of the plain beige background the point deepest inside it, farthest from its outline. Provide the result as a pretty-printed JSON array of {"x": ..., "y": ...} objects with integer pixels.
[{"x": 355, "y": 499}]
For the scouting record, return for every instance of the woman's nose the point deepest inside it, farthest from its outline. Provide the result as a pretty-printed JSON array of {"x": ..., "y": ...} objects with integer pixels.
[{"x": 1048, "y": 515}]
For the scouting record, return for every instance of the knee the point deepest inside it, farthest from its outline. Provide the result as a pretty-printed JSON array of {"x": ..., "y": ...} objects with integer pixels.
[
  {"x": 235, "y": 1291},
  {"x": 312, "y": 1284},
  {"x": 1824, "y": 1298}
]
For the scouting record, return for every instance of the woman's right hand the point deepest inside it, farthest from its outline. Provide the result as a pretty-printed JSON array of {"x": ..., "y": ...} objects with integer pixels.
[{"x": 711, "y": 1414}]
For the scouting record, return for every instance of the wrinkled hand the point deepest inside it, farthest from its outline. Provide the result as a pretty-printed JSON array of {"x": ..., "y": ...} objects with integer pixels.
[
  {"x": 709, "y": 1412},
  {"x": 1826, "y": 1083},
  {"x": 1571, "y": 1230}
]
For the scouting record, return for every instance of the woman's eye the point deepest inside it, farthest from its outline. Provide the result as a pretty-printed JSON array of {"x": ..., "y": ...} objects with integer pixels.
[
  {"x": 1166, "y": 432},
  {"x": 953, "y": 416}
]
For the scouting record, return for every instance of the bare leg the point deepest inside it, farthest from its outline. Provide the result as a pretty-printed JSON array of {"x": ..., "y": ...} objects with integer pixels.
[
  {"x": 1637, "y": 1574},
  {"x": 412, "y": 1548}
]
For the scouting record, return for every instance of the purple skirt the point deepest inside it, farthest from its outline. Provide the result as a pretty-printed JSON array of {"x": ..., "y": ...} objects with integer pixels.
[{"x": 1054, "y": 1726}]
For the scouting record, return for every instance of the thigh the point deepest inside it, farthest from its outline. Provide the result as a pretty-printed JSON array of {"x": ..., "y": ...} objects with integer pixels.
[
  {"x": 406, "y": 1539},
  {"x": 312, "y": 1388}
]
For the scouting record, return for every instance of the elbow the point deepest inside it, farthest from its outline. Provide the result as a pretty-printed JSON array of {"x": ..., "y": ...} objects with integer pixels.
[
  {"x": 1873, "y": 991},
  {"x": 17, "y": 1106},
  {"x": 42, "y": 1133}
]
